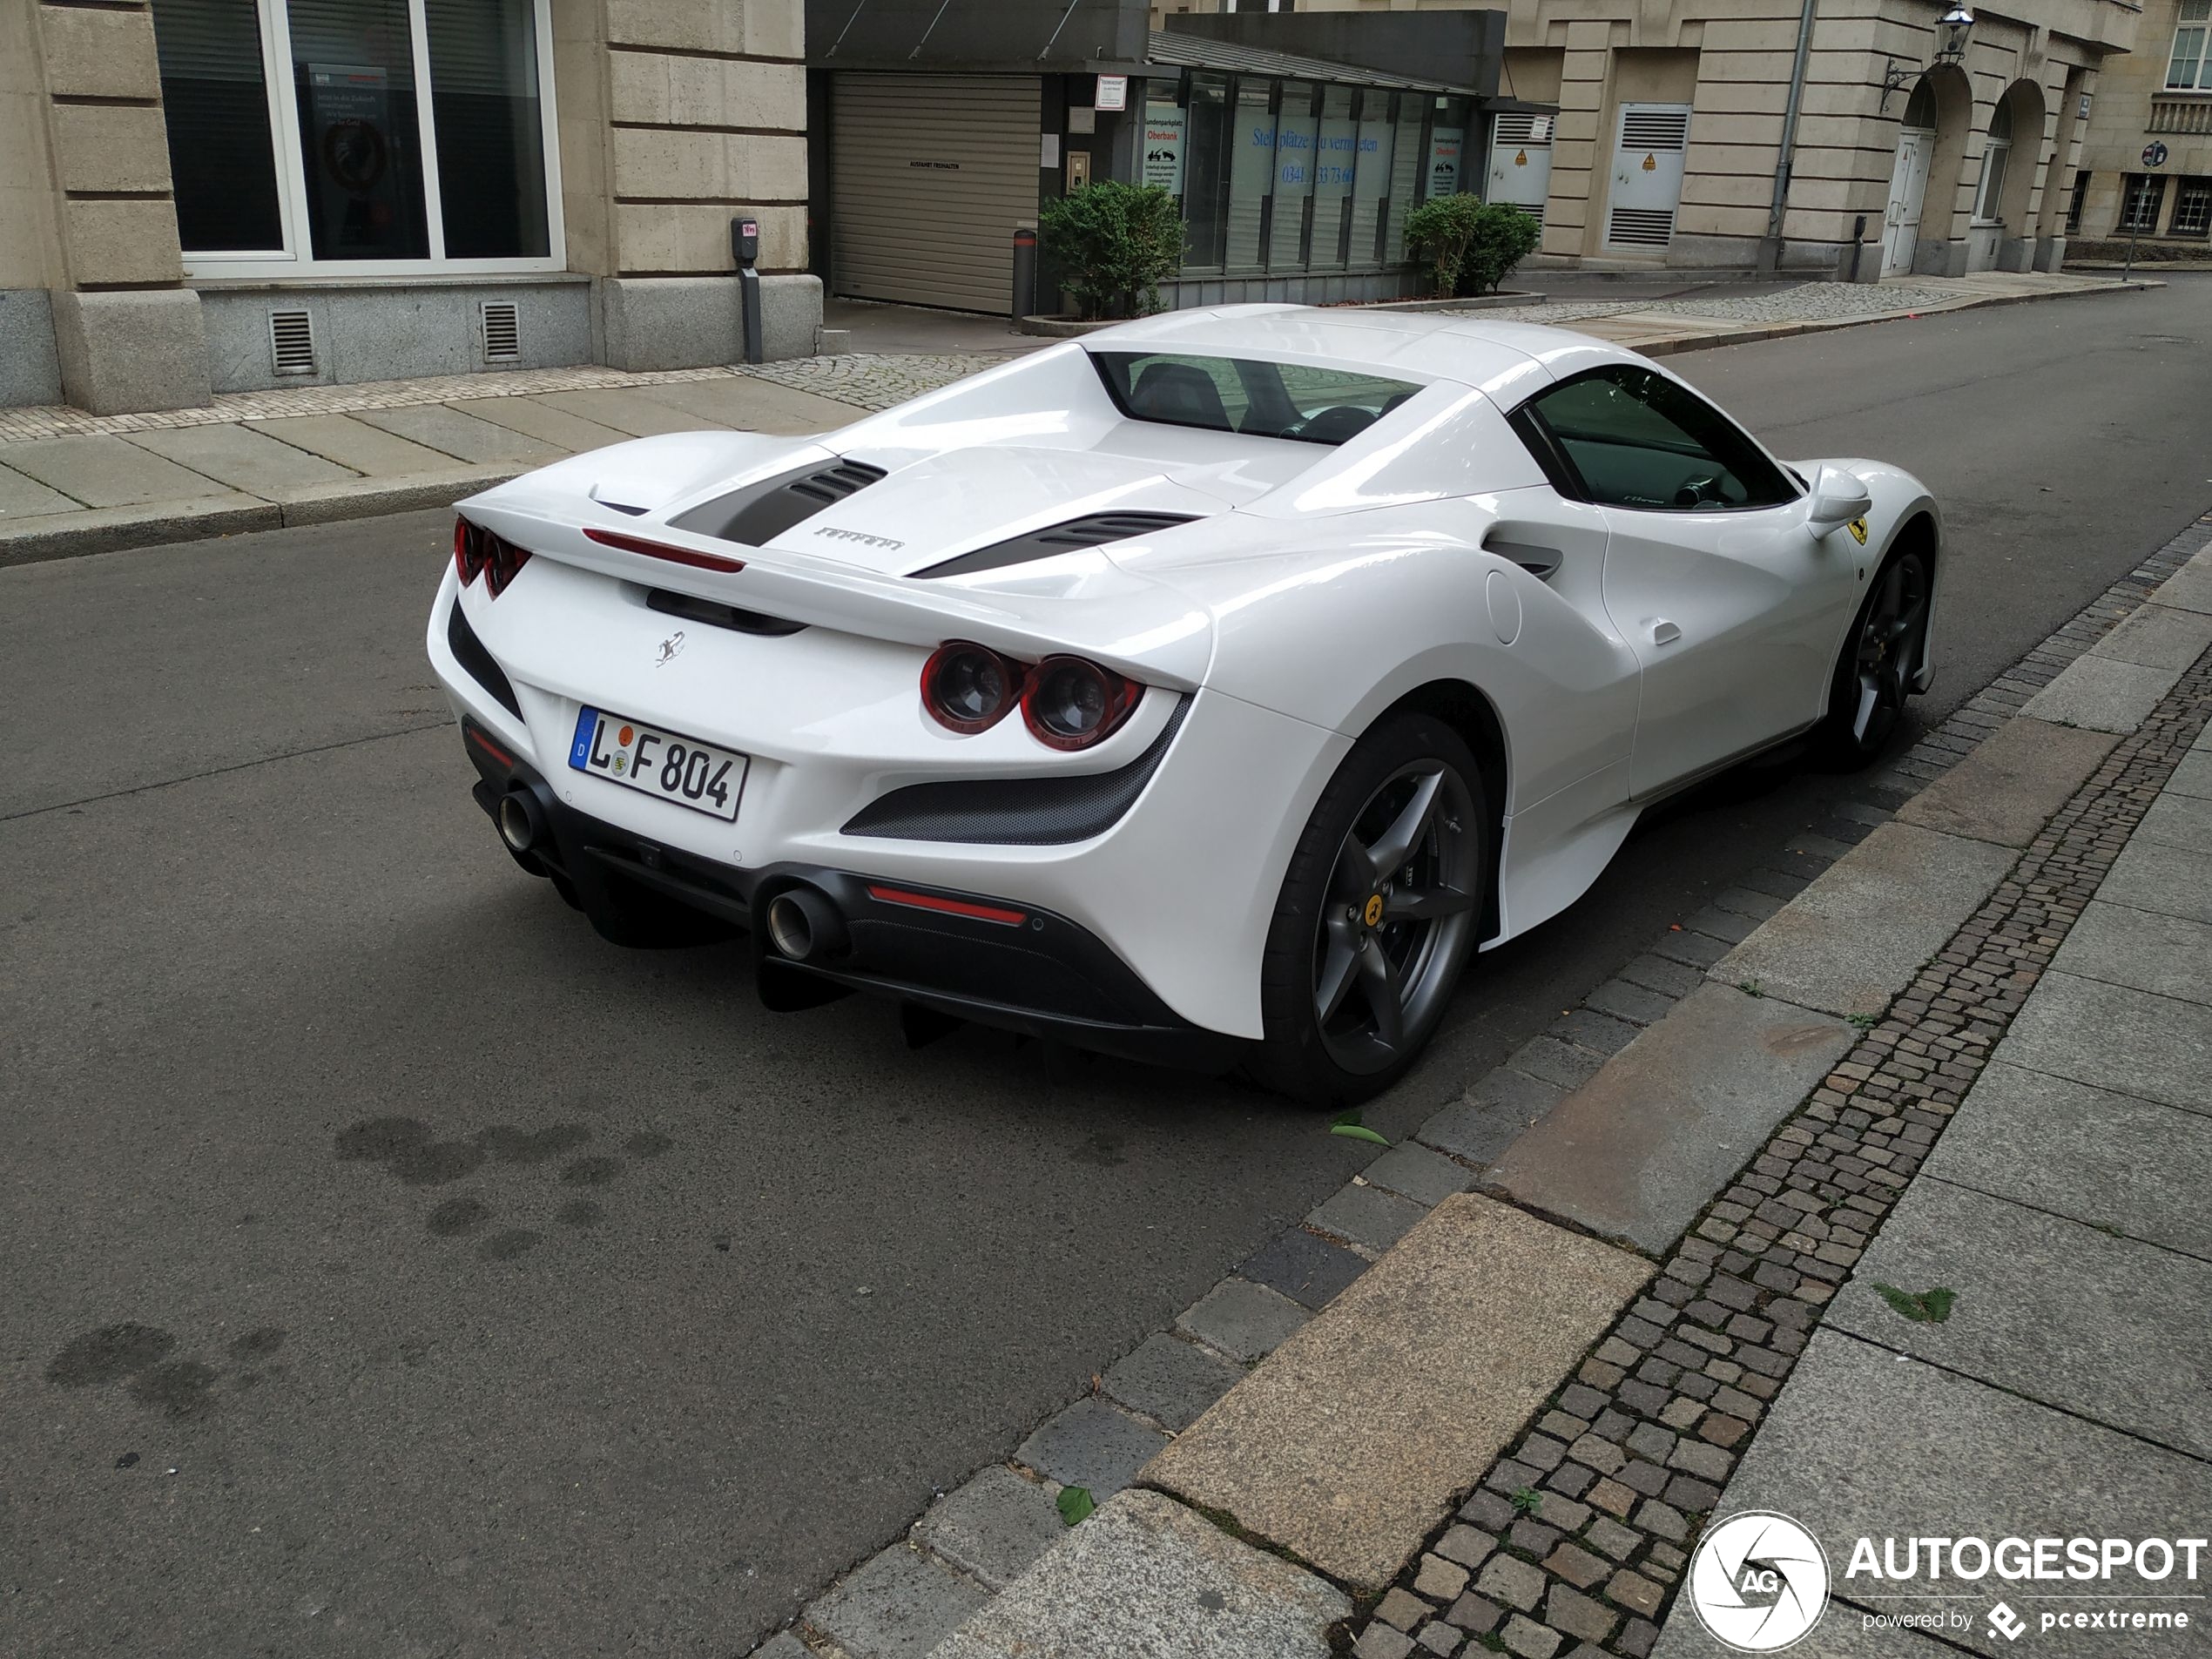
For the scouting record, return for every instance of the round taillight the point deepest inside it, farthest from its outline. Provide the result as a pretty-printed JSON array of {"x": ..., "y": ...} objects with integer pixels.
[
  {"x": 969, "y": 688},
  {"x": 1071, "y": 704},
  {"x": 467, "y": 550}
]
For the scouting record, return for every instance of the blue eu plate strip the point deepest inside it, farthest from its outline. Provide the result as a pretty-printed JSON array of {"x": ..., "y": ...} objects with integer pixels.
[{"x": 580, "y": 750}]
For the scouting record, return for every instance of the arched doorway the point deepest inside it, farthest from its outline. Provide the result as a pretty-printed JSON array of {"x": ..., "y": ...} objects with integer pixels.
[
  {"x": 2012, "y": 159},
  {"x": 1916, "y": 141}
]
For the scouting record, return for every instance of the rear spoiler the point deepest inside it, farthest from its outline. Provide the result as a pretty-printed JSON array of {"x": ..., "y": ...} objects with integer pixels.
[{"x": 1125, "y": 622}]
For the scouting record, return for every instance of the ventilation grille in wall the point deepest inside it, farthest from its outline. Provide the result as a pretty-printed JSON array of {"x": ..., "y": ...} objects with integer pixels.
[
  {"x": 1654, "y": 129},
  {"x": 1524, "y": 129},
  {"x": 291, "y": 343},
  {"x": 1535, "y": 213},
  {"x": 1641, "y": 226},
  {"x": 503, "y": 331}
]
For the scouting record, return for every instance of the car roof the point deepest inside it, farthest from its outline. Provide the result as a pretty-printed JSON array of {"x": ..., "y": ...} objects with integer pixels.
[{"x": 1419, "y": 346}]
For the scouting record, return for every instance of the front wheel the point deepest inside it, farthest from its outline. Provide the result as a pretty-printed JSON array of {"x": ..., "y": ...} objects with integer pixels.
[
  {"x": 1874, "y": 674},
  {"x": 1378, "y": 915}
]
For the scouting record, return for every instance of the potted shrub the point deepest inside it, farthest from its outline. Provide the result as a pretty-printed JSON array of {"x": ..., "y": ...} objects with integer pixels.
[
  {"x": 1469, "y": 245},
  {"x": 1111, "y": 244}
]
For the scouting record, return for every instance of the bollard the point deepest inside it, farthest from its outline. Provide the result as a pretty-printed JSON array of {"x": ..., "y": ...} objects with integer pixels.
[{"x": 1025, "y": 272}]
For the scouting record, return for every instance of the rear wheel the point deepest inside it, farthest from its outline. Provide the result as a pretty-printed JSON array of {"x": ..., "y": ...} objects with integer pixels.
[
  {"x": 1874, "y": 674},
  {"x": 1378, "y": 915}
]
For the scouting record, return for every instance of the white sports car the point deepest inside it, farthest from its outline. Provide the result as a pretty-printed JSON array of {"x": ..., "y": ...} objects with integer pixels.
[{"x": 1206, "y": 690}]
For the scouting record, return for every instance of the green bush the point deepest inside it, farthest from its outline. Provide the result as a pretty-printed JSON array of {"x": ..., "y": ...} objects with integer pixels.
[
  {"x": 1112, "y": 243},
  {"x": 1469, "y": 245}
]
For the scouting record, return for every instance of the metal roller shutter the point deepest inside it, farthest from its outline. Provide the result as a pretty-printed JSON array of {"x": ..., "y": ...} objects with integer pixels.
[{"x": 931, "y": 175}]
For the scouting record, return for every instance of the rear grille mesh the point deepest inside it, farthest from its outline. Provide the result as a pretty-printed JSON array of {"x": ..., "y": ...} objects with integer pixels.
[{"x": 1093, "y": 530}]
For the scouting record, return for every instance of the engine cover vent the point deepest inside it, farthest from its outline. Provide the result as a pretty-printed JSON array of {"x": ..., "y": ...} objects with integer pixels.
[
  {"x": 760, "y": 513},
  {"x": 1094, "y": 530}
]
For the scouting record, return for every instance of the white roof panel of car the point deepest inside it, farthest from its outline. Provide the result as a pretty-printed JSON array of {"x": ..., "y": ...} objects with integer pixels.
[{"x": 1419, "y": 345}]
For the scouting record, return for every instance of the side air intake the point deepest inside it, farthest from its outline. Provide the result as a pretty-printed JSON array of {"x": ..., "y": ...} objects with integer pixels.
[
  {"x": 759, "y": 513},
  {"x": 1094, "y": 530}
]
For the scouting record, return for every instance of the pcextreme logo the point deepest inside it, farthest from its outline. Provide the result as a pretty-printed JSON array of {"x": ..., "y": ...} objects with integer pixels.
[{"x": 1759, "y": 1581}]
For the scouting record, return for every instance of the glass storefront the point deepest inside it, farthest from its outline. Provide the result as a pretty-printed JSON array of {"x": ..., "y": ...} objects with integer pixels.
[{"x": 1281, "y": 177}]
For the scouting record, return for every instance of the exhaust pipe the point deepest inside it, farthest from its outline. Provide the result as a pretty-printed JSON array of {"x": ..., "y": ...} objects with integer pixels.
[
  {"x": 522, "y": 819},
  {"x": 805, "y": 925}
]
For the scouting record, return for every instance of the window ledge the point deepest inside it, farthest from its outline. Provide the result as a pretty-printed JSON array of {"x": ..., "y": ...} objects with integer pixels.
[{"x": 309, "y": 280}]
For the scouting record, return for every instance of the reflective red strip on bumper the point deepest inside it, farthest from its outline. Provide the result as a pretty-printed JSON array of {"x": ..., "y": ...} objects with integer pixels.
[
  {"x": 950, "y": 906},
  {"x": 488, "y": 746}
]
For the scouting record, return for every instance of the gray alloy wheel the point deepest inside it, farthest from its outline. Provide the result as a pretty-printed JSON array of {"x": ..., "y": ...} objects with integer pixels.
[
  {"x": 1874, "y": 677},
  {"x": 1396, "y": 917}
]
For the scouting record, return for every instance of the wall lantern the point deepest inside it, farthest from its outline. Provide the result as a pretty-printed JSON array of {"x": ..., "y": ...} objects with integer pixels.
[{"x": 1952, "y": 30}]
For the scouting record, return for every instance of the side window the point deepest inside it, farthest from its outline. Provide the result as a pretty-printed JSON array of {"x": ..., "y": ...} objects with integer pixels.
[{"x": 1630, "y": 437}]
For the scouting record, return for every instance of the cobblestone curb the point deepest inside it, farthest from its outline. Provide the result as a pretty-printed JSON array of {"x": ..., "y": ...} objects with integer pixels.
[{"x": 1577, "y": 1538}]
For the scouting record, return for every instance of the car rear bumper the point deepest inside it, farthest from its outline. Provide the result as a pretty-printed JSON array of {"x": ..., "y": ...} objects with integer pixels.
[{"x": 1005, "y": 963}]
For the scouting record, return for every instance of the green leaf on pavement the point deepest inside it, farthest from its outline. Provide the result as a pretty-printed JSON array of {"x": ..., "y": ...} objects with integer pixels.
[
  {"x": 1356, "y": 1132},
  {"x": 1075, "y": 1504},
  {"x": 1929, "y": 1307}
]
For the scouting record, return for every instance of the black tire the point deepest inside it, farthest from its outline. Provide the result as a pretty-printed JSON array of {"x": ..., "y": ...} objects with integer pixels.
[
  {"x": 1873, "y": 679},
  {"x": 1407, "y": 938}
]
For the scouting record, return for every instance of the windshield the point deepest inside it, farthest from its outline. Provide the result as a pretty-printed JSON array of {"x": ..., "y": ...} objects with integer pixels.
[{"x": 1248, "y": 394}]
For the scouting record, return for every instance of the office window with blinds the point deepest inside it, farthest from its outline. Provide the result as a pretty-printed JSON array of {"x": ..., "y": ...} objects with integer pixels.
[{"x": 360, "y": 137}]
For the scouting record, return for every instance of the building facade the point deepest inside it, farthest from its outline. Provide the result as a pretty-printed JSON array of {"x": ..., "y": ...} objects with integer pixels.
[
  {"x": 1907, "y": 150},
  {"x": 201, "y": 196},
  {"x": 2158, "y": 98},
  {"x": 941, "y": 127}
]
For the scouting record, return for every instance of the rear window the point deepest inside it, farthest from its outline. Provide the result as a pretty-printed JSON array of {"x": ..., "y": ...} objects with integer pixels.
[{"x": 1248, "y": 394}]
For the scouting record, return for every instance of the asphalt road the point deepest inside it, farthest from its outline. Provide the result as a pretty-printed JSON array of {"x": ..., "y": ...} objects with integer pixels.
[{"x": 389, "y": 1267}]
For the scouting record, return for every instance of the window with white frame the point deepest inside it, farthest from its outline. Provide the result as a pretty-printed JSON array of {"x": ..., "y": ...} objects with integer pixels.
[
  {"x": 2188, "y": 68},
  {"x": 354, "y": 138},
  {"x": 2140, "y": 195},
  {"x": 2192, "y": 208},
  {"x": 1989, "y": 201}
]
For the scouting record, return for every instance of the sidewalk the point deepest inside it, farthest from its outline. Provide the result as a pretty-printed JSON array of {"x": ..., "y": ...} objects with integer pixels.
[
  {"x": 1489, "y": 1394},
  {"x": 72, "y": 483}
]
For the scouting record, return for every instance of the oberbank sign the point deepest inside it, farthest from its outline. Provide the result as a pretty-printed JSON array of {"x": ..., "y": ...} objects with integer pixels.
[{"x": 1761, "y": 1583}]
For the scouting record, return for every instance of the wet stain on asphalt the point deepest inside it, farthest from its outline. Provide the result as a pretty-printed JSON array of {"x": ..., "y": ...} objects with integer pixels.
[
  {"x": 505, "y": 1246},
  {"x": 458, "y": 1215},
  {"x": 1104, "y": 1151},
  {"x": 140, "y": 1353},
  {"x": 411, "y": 1152},
  {"x": 110, "y": 1353}
]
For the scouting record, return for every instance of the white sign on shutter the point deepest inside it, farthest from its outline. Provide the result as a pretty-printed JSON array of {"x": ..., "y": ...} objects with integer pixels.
[{"x": 1647, "y": 158}]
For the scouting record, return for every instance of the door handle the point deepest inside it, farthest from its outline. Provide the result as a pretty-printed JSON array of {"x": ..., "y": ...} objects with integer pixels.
[
  {"x": 1663, "y": 632},
  {"x": 1540, "y": 561}
]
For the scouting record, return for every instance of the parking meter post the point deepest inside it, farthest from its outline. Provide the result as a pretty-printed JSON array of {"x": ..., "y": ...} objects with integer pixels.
[
  {"x": 744, "y": 250},
  {"x": 1025, "y": 271}
]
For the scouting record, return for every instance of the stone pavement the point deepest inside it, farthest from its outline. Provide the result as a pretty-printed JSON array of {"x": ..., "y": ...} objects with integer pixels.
[
  {"x": 1658, "y": 328},
  {"x": 2025, "y": 1122},
  {"x": 72, "y": 482},
  {"x": 1506, "y": 1433}
]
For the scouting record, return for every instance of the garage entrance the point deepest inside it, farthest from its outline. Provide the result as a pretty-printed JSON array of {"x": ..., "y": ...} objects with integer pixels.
[{"x": 930, "y": 174}]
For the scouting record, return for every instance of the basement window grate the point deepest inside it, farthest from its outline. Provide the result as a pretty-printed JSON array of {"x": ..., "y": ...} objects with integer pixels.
[
  {"x": 291, "y": 343},
  {"x": 503, "y": 331}
]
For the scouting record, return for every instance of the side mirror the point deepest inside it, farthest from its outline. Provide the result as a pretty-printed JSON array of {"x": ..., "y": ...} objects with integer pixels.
[{"x": 1837, "y": 498}]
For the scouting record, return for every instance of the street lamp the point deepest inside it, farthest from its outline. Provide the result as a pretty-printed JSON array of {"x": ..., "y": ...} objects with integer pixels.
[{"x": 1952, "y": 27}]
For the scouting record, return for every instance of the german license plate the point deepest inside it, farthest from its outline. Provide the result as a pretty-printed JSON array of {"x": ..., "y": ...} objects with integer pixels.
[{"x": 654, "y": 762}]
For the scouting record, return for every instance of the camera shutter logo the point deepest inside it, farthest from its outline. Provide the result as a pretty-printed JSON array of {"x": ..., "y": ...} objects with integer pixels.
[{"x": 1759, "y": 1581}]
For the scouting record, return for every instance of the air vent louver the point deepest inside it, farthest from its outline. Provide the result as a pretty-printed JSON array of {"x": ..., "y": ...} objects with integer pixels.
[
  {"x": 1094, "y": 530},
  {"x": 503, "y": 331},
  {"x": 759, "y": 513},
  {"x": 291, "y": 343},
  {"x": 1641, "y": 226}
]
